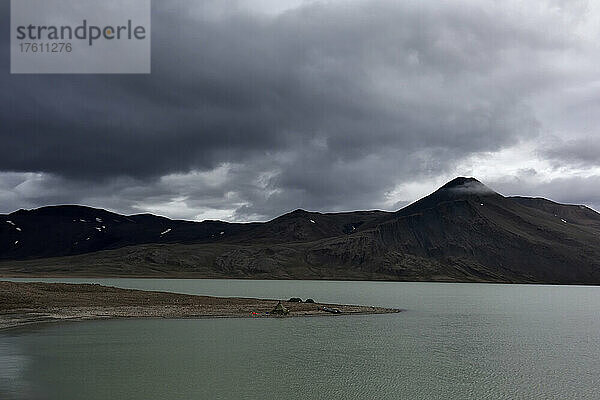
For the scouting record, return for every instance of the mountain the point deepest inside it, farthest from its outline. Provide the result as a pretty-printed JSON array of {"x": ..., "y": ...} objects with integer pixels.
[
  {"x": 464, "y": 231},
  {"x": 68, "y": 230}
]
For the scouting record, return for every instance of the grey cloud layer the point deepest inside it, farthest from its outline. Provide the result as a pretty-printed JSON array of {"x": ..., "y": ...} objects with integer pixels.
[
  {"x": 579, "y": 152},
  {"x": 564, "y": 190},
  {"x": 325, "y": 106}
]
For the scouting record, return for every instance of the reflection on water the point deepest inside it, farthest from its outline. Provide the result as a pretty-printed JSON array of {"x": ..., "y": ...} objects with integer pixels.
[{"x": 467, "y": 341}]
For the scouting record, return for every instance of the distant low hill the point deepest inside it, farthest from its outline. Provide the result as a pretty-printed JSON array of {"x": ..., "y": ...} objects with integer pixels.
[{"x": 464, "y": 231}]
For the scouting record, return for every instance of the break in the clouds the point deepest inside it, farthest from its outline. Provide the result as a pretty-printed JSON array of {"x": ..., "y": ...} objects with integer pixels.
[{"x": 256, "y": 108}]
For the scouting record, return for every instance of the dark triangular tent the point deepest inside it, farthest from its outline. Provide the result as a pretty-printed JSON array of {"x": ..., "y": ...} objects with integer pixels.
[{"x": 280, "y": 309}]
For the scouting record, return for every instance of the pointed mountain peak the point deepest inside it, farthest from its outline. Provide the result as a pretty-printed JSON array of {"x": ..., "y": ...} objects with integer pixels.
[
  {"x": 466, "y": 186},
  {"x": 460, "y": 188},
  {"x": 297, "y": 213},
  {"x": 461, "y": 181}
]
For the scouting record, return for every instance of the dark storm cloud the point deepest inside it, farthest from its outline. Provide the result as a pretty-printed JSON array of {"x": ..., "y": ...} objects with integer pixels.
[{"x": 325, "y": 106}]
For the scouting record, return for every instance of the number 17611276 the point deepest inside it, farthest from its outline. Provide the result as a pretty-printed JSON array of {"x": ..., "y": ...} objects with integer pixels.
[{"x": 54, "y": 47}]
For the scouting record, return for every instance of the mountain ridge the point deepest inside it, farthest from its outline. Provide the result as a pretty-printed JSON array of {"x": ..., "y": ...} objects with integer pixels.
[{"x": 464, "y": 231}]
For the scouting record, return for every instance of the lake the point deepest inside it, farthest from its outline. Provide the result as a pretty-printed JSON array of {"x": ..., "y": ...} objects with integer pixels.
[{"x": 454, "y": 341}]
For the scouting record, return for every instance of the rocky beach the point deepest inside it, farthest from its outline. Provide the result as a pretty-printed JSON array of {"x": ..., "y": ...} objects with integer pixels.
[{"x": 24, "y": 303}]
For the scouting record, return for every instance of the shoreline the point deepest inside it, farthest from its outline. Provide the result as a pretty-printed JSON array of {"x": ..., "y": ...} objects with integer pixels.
[
  {"x": 37, "y": 319},
  {"x": 30, "y": 276},
  {"x": 28, "y": 303}
]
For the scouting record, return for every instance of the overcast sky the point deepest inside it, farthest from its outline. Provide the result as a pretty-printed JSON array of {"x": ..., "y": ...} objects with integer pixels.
[{"x": 255, "y": 108}]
